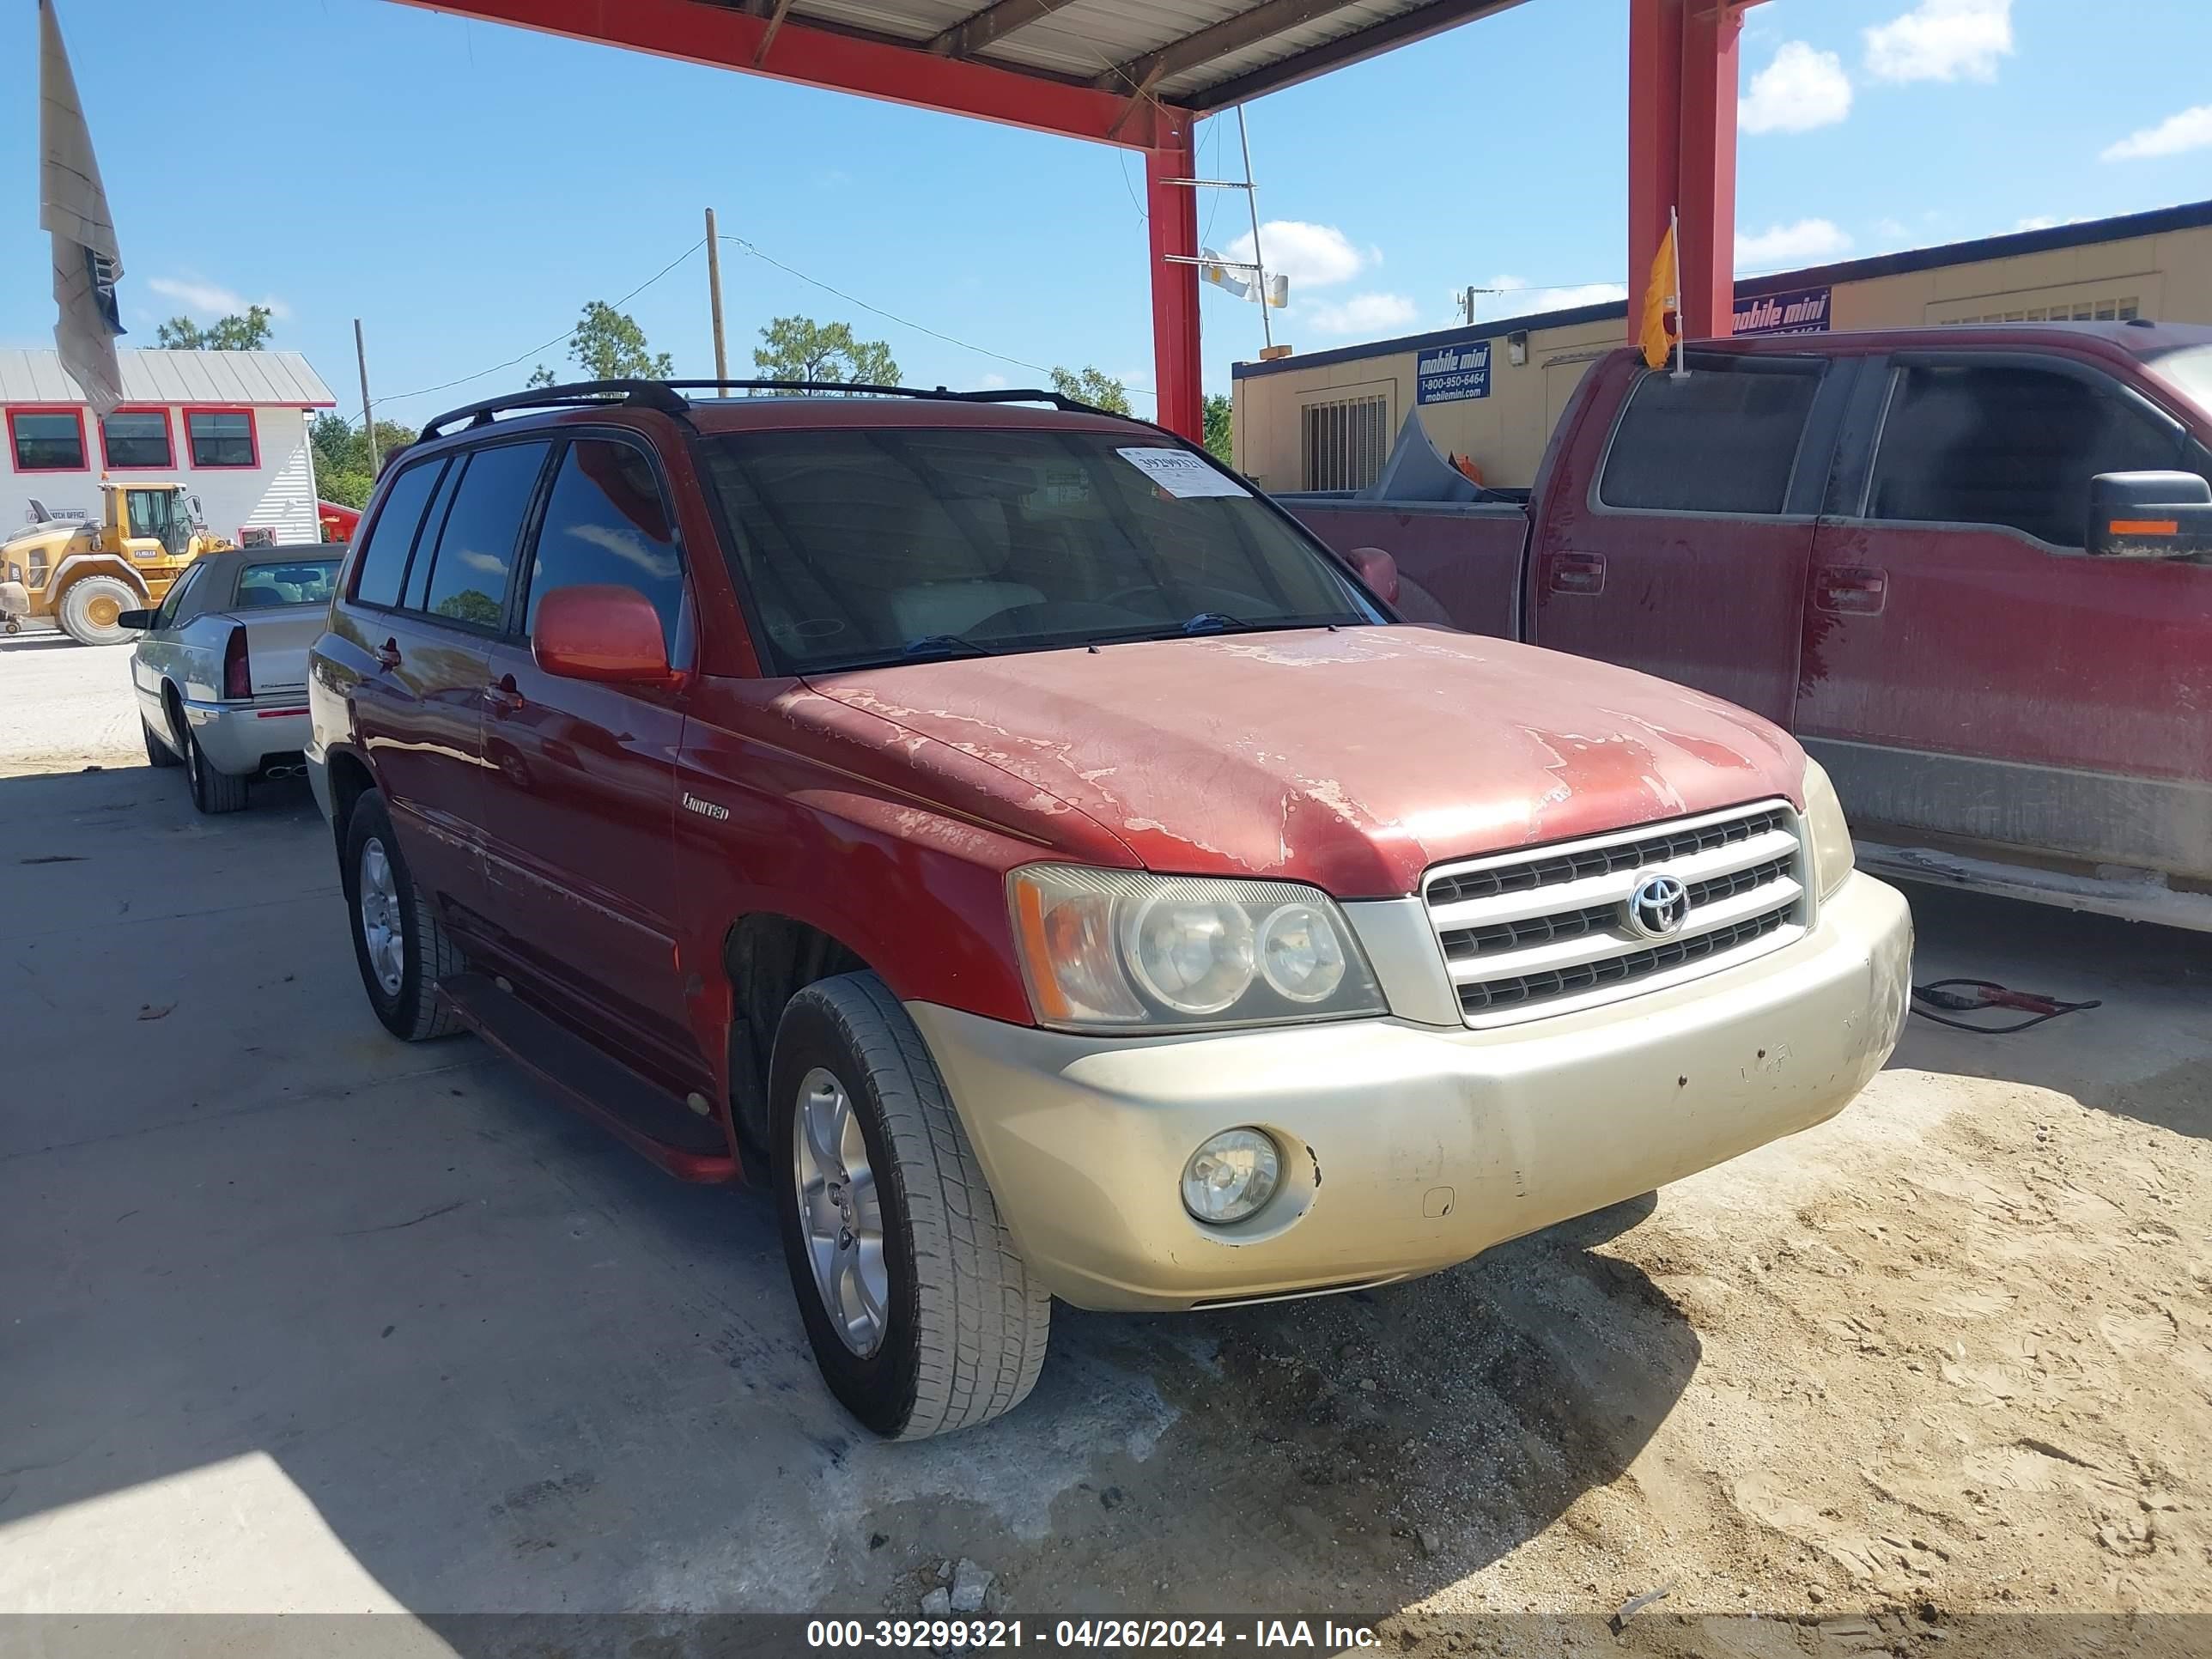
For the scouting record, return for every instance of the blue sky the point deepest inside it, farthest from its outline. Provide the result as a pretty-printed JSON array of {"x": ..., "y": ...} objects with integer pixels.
[{"x": 463, "y": 188}]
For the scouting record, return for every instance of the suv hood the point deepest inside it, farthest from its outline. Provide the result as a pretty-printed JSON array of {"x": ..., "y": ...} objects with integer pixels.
[{"x": 1351, "y": 759}]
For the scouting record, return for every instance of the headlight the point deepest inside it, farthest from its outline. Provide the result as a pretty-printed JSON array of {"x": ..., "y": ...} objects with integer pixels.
[
  {"x": 1110, "y": 949},
  {"x": 1231, "y": 1176},
  {"x": 1832, "y": 836}
]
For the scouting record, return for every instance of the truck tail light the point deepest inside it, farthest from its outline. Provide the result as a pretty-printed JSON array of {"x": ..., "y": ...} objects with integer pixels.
[{"x": 237, "y": 680}]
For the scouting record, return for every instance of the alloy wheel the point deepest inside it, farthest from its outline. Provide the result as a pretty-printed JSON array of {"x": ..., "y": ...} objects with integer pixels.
[
  {"x": 380, "y": 931},
  {"x": 841, "y": 1213}
]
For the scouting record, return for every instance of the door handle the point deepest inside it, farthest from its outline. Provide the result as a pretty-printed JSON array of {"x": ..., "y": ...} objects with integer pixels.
[
  {"x": 503, "y": 698},
  {"x": 1577, "y": 573},
  {"x": 1853, "y": 590},
  {"x": 387, "y": 654}
]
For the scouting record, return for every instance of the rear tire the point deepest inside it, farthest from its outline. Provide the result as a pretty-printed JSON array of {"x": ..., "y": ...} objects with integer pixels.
[
  {"x": 962, "y": 1327},
  {"x": 157, "y": 752},
  {"x": 400, "y": 948},
  {"x": 213, "y": 791},
  {"x": 90, "y": 607}
]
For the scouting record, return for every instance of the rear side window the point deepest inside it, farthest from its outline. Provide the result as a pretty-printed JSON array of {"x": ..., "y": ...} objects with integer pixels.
[
  {"x": 383, "y": 563},
  {"x": 1723, "y": 438},
  {"x": 476, "y": 547},
  {"x": 606, "y": 521},
  {"x": 287, "y": 581},
  {"x": 1997, "y": 445}
]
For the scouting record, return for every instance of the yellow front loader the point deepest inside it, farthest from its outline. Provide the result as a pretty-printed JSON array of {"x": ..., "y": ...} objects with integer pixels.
[{"x": 85, "y": 575}]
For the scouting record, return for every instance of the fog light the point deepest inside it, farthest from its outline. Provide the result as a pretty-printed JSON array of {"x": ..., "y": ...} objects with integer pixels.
[{"x": 1231, "y": 1176}]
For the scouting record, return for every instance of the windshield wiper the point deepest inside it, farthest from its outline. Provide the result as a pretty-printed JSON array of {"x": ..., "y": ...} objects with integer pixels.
[
  {"x": 1214, "y": 621},
  {"x": 928, "y": 646}
]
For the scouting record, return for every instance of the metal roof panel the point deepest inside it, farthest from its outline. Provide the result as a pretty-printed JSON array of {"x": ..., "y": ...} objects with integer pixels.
[{"x": 263, "y": 377}]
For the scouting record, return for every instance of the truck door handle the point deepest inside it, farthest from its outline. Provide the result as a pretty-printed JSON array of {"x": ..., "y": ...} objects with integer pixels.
[
  {"x": 1577, "y": 573},
  {"x": 387, "y": 654},
  {"x": 1852, "y": 589},
  {"x": 503, "y": 698}
]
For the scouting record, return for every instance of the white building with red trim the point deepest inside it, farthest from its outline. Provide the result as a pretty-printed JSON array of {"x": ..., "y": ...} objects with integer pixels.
[{"x": 231, "y": 426}]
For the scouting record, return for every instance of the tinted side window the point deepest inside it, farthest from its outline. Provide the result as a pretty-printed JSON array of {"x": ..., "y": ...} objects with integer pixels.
[
  {"x": 2016, "y": 446},
  {"x": 383, "y": 563},
  {"x": 605, "y": 522},
  {"x": 418, "y": 573},
  {"x": 1724, "y": 439},
  {"x": 476, "y": 548}
]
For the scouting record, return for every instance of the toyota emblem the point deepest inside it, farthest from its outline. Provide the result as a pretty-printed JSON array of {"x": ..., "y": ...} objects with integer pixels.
[{"x": 1658, "y": 906}]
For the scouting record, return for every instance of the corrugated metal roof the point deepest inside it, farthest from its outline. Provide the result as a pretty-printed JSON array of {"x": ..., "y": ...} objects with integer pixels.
[
  {"x": 1218, "y": 51},
  {"x": 173, "y": 377}
]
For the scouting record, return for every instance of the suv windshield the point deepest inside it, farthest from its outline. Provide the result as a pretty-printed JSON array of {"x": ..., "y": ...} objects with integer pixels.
[{"x": 872, "y": 547}]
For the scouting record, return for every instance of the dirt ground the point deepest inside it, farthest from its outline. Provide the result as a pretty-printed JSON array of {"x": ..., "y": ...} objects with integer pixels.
[{"x": 292, "y": 1318}]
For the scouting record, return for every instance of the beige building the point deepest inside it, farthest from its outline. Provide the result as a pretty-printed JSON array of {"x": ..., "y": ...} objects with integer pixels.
[{"x": 1492, "y": 392}]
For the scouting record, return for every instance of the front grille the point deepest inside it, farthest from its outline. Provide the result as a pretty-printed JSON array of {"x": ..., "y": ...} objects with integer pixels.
[
  {"x": 1526, "y": 934},
  {"x": 1574, "y": 863}
]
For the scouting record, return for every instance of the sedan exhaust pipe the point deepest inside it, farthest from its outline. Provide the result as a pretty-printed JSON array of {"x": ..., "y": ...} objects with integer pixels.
[{"x": 285, "y": 771}]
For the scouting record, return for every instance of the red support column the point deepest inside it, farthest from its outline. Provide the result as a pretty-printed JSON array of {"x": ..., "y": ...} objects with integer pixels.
[
  {"x": 1682, "y": 73},
  {"x": 1173, "y": 209}
]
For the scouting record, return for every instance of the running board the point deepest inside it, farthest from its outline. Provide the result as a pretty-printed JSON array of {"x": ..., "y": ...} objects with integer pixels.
[
  {"x": 2132, "y": 897},
  {"x": 646, "y": 1116}
]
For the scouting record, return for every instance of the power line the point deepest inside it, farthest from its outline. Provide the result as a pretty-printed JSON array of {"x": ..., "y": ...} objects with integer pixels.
[
  {"x": 903, "y": 322},
  {"x": 558, "y": 339}
]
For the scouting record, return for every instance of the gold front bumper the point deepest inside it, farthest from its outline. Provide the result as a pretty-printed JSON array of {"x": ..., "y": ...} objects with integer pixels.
[{"x": 1410, "y": 1147}]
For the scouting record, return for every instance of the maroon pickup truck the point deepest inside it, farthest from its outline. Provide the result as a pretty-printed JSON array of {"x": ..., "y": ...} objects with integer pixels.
[{"x": 1970, "y": 568}]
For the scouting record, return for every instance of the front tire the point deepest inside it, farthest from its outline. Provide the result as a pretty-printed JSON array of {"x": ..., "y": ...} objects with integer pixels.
[
  {"x": 922, "y": 1316},
  {"x": 89, "y": 610},
  {"x": 400, "y": 948}
]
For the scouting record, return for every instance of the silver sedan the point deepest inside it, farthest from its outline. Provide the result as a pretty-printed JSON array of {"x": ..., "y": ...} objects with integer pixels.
[{"x": 220, "y": 666}]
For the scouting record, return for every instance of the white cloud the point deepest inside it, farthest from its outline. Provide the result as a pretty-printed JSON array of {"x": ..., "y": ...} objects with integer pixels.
[
  {"x": 1800, "y": 90},
  {"x": 1890, "y": 229},
  {"x": 1311, "y": 256},
  {"x": 1806, "y": 242},
  {"x": 1942, "y": 40},
  {"x": 992, "y": 380},
  {"x": 2190, "y": 130},
  {"x": 2038, "y": 222},
  {"x": 1362, "y": 313},
  {"x": 210, "y": 298}
]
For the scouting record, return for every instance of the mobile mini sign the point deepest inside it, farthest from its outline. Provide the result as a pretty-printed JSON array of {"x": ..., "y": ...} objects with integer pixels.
[
  {"x": 1452, "y": 373},
  {"x": 1801, "y": 311}
]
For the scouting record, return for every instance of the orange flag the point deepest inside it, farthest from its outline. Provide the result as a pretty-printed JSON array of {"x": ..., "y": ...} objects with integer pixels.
[{"x": 1662, "y": 301}]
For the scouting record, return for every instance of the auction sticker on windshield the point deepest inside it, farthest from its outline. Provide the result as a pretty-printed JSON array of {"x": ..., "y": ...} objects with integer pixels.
[{"x": 1182, "y": 475}]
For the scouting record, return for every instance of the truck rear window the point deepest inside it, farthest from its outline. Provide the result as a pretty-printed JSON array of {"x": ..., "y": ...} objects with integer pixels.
[{"x": 870, "y": 547}]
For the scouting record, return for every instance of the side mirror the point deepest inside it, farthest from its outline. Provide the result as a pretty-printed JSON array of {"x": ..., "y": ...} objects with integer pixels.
[
  {"x": 137, "y": 620},
  {"x": 1377, "y": 569},
  {"x": 600, "y": 631},
  {"x": 2149, "y": 515}
]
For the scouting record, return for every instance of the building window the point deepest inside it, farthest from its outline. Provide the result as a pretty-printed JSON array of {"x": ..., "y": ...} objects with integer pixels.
[
  {"x": 1345, "y": 441},
  {"x": 2113, "y": 308},
  {"x": 136, "y": 437},
  {"x": 256, "y": 536},
  {"x": 47, "y": 440},
  {"x": 221, "y": 437}
]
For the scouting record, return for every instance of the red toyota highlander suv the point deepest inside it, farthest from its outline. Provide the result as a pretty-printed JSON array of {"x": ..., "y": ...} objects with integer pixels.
[{"x": 1025, "y": 847}]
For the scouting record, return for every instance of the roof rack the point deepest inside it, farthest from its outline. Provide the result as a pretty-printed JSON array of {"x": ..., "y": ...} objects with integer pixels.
[
  {"x": 1002, "y": 395},
  {"x": 666, "y": 397}
]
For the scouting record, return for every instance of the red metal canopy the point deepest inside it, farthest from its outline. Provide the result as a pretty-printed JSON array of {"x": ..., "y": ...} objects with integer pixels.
[{"x": 1140, "y": 73}]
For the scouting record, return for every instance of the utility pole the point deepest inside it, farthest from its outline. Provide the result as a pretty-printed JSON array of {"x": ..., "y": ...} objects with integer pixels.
[
  {"x": 367, "y": 423},
  {"x": 1259, "y": 260},
  {"x": 714, "y": 297}
]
